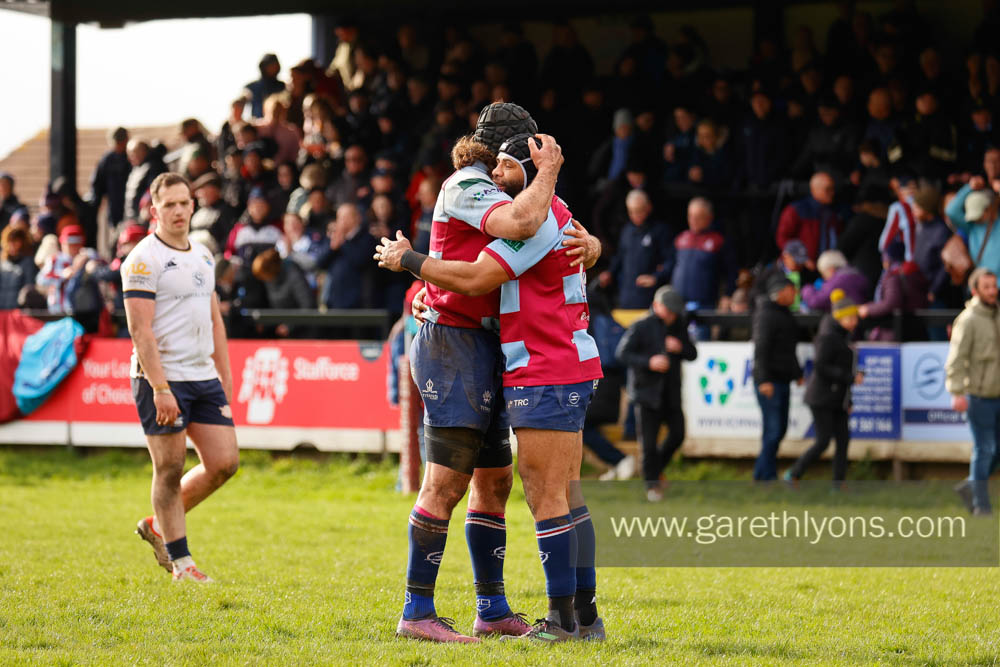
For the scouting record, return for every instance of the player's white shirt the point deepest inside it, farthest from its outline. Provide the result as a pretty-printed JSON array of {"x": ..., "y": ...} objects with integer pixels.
[{"x": 182, "y": 283}]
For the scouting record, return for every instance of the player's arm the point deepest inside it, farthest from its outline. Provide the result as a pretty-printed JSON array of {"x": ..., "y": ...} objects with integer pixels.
[
  {"x": 139, "y": 316},
  {"x": 220, "y": 354},
  {"x": 469, "y": 278},
  {"x": 521, "y": 219}
]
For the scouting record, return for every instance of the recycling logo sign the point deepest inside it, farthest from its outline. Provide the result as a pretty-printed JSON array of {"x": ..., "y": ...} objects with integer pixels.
[{"x": 716, "y": 385}]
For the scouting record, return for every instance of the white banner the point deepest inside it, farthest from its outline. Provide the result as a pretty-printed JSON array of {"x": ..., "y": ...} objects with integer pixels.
[{"x": 927, "y": 413}]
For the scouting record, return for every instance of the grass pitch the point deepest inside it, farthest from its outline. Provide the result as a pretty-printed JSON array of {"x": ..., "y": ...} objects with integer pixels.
[{"x": 310, "y": 560}]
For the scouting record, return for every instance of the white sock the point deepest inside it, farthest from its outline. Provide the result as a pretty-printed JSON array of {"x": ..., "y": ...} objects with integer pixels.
[{"x": 182, "y": 564}]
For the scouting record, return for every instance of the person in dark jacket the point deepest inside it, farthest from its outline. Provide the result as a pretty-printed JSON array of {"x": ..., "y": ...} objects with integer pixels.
[
  {"x": 652, "y": 349},
  {"x": 828, "y": 393},
  {"x": 110, "y": 177},
  {"x": 704, "y": 260},
  {"x": 775, "y": 367},
  {"x": 268, "y": 84},
  {"x": 147, "y": 164},
  {"x": 765, "y": 143},
  {"x": 286, "y": 287},
  {"x": 902, "y": 288},
  {"x": 346, "y": 260},
  {"x": 13, "y": 240},
  {"x": 9, "y": 203},
  {"x": 645, "y": 257}
]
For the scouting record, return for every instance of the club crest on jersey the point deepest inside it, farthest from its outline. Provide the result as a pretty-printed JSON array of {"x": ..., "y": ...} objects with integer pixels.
[
  {"x": 199, "y": 279},
  {"x": 428, "y": 392}
]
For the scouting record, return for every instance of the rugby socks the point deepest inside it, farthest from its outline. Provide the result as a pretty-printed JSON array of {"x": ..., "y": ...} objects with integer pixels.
[
  {"x": 557, "y": 548},
  {"x": 585, "y": 601},
  {"x": 178, "y": 549},
  {"x": 486, "y": 534},
  {"x": 428, "y": 535}
]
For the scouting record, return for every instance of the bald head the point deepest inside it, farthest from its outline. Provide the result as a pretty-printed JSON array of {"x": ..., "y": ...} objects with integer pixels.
[
  {"x": 821, "y": 188},
  {"x": 699, "y": 214}
]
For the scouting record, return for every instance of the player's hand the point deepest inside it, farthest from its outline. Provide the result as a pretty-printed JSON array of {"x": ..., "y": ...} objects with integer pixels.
[
  {"x": 645, "y": 280},
  {"x": 166, "y": 408},
  {"x": 673, "y": 345},
  {"x": 584, "y": 248},
  {"x": 959, "y": 403},
  {"x": 390, "y": 253},
  {"x": 418, "y": 307},
  {"x": 766, "y": 389},
  {"x": 549, "y": 156},
  {"x": 659, "y": 363}
]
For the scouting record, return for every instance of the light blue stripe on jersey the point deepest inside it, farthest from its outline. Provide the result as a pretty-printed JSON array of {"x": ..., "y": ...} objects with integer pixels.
[
  {"x": 522, "y": 255},
  {"x": 586, "y": 348},
  {"x": 510, "y": 297},
  {"x": 573, "y": 289},
  {"x": 516, "y": 354}
]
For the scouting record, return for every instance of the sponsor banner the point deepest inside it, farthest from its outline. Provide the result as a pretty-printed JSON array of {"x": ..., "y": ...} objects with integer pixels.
[
  {"x": 720, "y": 400},
  {"x": 926, "y": 404},
  {"x": 308, "y": 384}
]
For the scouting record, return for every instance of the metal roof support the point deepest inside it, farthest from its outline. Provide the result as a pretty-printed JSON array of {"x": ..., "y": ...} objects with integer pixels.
[{"x": 62, "y": 133}]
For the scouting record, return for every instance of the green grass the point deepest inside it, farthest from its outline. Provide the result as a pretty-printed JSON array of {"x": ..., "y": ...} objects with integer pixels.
[{"x": 310, "y": 557}]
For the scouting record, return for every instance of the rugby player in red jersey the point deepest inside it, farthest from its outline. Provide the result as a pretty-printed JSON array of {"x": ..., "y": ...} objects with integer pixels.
[{"x": 551, "y": 369}]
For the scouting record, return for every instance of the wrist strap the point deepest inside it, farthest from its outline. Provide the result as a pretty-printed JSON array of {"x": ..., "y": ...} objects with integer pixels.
[
  {"x": 162, "y": 389},
  {"x": 412, "y": 261}
]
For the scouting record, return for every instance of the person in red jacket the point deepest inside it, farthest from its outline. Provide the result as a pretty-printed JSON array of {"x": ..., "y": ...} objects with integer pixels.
[{"x": 812, "y": 220}]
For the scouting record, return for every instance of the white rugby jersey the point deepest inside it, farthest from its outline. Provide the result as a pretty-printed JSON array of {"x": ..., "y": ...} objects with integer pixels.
[{"x": 181, "y": 282}]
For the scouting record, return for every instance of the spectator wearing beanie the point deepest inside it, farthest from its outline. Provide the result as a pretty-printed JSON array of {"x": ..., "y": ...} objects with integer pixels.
[
  {"x": 828, "y": 393},
  {"x": 775, "y": 367},
  {"x": 645, "y": 257},
  {"x": 902, "y": 288},
  {"x": 835, "y": 273},
  {"x": 653, "y": 350}
]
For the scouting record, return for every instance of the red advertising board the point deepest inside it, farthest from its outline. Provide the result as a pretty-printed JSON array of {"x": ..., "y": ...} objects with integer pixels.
[{"x": 308, "y": 384}]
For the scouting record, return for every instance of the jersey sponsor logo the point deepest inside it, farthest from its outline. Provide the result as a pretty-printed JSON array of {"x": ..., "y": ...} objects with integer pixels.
[
  {"x": 208, "y": 260},
  {"x": 264, "y": 384},
  {"x": 428, "y": 392},
  {"x": 138, "y": 280},
  {"x": 483, "y": 194},
  {"x": 469, "y": 182},
  {"x": 513, "y": 245},
  {"x": 137, "y": 269}
]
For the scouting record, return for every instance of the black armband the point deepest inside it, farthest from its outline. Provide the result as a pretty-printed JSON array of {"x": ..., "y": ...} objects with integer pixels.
[{"x": 412, "y": 261}]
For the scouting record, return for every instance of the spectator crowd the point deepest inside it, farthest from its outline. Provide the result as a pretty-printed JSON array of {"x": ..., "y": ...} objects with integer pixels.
[{"x": 871, "y": 168}]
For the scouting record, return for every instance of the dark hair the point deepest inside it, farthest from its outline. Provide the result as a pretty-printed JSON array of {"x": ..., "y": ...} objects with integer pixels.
[{"x": 165, "y": 180}]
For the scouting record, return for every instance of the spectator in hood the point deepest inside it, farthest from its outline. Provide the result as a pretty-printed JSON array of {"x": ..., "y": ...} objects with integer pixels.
[
  {"x": 902, "y": 288},
  {"x": 812, "y": 220},
  {"x": 835, "y": 273},
  {"x": 267, "y": 85}
]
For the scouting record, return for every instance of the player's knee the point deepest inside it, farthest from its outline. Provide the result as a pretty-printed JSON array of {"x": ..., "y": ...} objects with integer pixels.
[
  {"x": 169, "y": 473},
  {"x": 442, "y": 494},
  {"x": 225, "y": 468}
]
